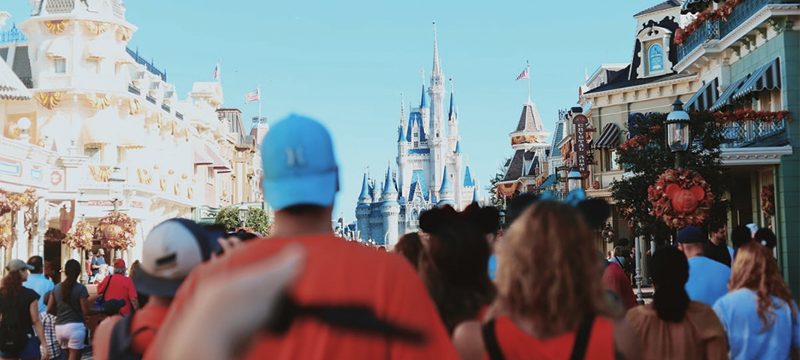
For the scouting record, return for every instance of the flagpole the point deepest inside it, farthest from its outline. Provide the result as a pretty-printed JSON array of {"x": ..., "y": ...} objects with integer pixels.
[
  {"x": 528, "y": 68},
  {"x": 219, "y": 71},
  {"x": 259, "y": 102}
]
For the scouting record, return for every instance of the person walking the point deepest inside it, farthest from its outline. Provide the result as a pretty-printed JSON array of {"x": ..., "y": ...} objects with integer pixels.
[
  {"x": 550, "y": 297},
  {"x": 300, "y": 181},
  {"x": 20, "y": 316},
  {"x": 69, "y": 302},
  {"x": 758, "y": 314},
  {"x": 716, "y": 248},
  {"x": 673, "y": 326},
  {"x": 37, "y": 282},
  {"x": 119, "y": 286},
  {"x": 707, "y": 278},
  {"x": 172, "y": 249}
]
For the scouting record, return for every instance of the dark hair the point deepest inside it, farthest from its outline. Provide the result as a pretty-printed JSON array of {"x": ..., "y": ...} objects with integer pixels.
[
  {"x": 410, "y": 247},
  {"x": 715, "y": 225},
  {"x": 454, "y": 266},
  {"x": 740, "y": 235},
  {"x": 670, "y": 271},
  {"x": 12, "y": 284},
  {"x": 767, "y": 237},
  {"x": 485, "y": 219},
  {"x": 72, "y": 269},
  {"x": 304, "y": 209},
  {"x": 37, "y": 263},
  {"x": 518, "y": 205}
]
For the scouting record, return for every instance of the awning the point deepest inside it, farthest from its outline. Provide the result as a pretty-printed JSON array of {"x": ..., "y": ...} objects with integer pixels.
[
  {"x": 609, "y": 137},
  {"x": 59, "y": 48},
  {"x": 217, "y": 162},
  {"x": 200, "y": 156},
  {"x": 550, "y": 181},
  {"x": 768, "y": 77},
  {"x": 727, "y": 97},
  {"x": 704, "y": 98}
]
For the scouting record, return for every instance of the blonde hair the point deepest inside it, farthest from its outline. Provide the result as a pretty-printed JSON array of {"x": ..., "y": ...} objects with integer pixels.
[
  {"x": 756, "y": 269},
  {"x": 549, "y": 271}
]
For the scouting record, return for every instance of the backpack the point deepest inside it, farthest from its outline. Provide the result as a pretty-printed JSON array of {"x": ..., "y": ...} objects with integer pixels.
[
  {"x": 13, "y": 336},
  {"x": 119, "y": 347}
]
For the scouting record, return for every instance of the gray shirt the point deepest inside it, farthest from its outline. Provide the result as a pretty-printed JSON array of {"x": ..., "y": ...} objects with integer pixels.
[{"x": 70, "y": 312}]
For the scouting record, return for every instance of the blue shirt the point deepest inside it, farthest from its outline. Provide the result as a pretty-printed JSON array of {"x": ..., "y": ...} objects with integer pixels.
[
  {"x": 738, "y": 312},
  {"x": 492, "y": 266},
  {"x": 39, "y": 284},
  {"x": 708, "y": 280}
]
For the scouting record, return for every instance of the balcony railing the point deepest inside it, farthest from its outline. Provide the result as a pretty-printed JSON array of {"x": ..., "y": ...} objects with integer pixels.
[
  {"x": 151, "y": 99},
  {"x": 179, "y": 115},
  {"x": 147, "y": 64},
  {"x": 719, "y": 29},
  {"x": 166, "y": 108},
  {"x": 134, "y": 90},
  {"x": 752, "y": 133},
  {"x": 12, "y": 36}
]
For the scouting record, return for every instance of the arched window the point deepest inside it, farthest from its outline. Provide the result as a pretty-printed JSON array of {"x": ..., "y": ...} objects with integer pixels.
[{"x": 655, "y": 57}]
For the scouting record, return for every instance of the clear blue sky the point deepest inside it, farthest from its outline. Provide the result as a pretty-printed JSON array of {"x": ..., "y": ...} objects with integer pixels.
[{"x": 346, "y": 62}]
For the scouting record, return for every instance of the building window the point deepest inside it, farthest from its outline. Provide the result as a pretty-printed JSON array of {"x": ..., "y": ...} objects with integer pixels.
[
  {"x": 93, "y": 65},
  {"x": 210, "y": 174},
  {"x": 656, "y": 58},
  {"x": 613, "y": 162},
  {"x": 93, "y": 153},
  {"x": 60, "y": 65}
]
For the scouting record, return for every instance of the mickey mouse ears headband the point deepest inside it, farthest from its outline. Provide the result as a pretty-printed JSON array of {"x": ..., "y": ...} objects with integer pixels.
[{"x": 595, "y": 211}]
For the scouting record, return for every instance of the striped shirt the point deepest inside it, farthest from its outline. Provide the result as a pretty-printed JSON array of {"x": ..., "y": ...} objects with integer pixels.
[{"x": 49, "y": 324}]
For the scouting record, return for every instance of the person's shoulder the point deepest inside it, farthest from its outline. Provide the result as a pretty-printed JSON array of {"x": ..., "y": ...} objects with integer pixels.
[
  {"x": 637, "y": 314},
  {"x": 30, "y": 294}
]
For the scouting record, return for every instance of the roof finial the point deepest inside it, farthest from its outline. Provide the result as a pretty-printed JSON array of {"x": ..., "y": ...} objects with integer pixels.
[
  {"x": 436, "y": 73},
  {"x": 402, "y": 111},
  {"x": 422, "y": 71}
]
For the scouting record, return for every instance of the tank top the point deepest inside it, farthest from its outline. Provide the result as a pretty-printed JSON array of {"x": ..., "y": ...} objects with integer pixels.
[{"x": 595, "y": 341}]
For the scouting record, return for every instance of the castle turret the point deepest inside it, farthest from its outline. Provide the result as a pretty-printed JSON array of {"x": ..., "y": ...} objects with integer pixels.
[
  {"x": 475, "y": 197},
  {"x": 446, "y": 193},
  {"x": 363, "y": 209},
  {"x": 390, "y": 211}
]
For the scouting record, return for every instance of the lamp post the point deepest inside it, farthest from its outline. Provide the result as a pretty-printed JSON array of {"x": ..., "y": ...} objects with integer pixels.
[
  {"x": 678, "y": 133},
  {"x": 574, "y": 178},
  {"x": 244, "y": 213},
  {"x": 24, "y": 124}
]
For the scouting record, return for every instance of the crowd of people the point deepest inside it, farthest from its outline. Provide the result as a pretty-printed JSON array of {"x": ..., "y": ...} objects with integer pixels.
[{"x": 466, "y": 286}]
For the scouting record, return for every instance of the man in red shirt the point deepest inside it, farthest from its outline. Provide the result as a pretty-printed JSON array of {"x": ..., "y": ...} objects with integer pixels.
[
  {"x": 119, "y": 286},
  {"x": 300, "y": 181}
]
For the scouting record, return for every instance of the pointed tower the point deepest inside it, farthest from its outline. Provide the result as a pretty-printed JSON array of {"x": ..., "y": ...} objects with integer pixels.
[
  {"x": 452, "y": 119},
  {"x": 475, "y": 197},
  {"x": 446, "y": 192},
  {"x": 440, "y": 151},
  {"x": 363, "y": 209},
  {"x": 390, "y": 211}
]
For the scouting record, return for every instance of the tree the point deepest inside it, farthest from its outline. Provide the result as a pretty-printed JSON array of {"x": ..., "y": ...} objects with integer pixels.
[
  {"x": 501, "y": 171},
  {"x": 646, "y": 156},
  {"x": 257, "y": 219}
]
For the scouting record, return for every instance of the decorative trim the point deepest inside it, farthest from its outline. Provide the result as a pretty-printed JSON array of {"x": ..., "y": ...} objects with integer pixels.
[
  {"x": 645, "y": 86},
  {"x": 190, "y": 193},
  {"x": 754, "y": 155},
  {"x": 97, "y": 27},
  {"x": 124, "y": 34},
  {"x": 135, "y": 107},
  {"x": 145, "y": 177},
  {"x": 98, "y": 101},
  {"x": 176, "y": 189},
  {"x": 162, "y": 184},
  {"x": 55, "y": 27},
  {"x": 49, "y": 100},
  {"x": 100, "y": 173}
]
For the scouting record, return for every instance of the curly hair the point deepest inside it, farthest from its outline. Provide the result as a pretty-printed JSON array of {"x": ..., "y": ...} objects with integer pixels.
[
  {"x": 756, "y": 269},
  {"x": 548, "y": 270},
  {"x": 410, "y": 247}
]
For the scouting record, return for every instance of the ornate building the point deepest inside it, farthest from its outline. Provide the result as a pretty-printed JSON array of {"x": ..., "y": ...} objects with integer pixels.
[
  {"x": 430, "y": 168},
  {"x": 105, "y": 130}
]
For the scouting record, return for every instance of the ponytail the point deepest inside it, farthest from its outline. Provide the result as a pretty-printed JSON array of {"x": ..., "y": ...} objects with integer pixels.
[
  {"x": 72, "y": 269},
  {"x": 670, "y": 271}
]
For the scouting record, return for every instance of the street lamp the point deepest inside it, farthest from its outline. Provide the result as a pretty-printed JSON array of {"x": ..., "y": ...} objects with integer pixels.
[
  {"x": 24, "y": 124},
  {"x": 574, "y": 179},
  {"x": 244, "y": 213},
  {"x": 678, "y": 133},
  {"x": 115, "y": 186}
]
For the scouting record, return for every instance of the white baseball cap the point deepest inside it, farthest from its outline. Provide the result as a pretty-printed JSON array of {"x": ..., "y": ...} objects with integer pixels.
[{"x": 171, "y": 251}]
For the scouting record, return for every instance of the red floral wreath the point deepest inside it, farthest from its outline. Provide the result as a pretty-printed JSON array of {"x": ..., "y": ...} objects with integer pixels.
[
  {"x": 680, "y": 198},
  {"x": 768, "y": 200},
  {"x": 720, "y": 13}
]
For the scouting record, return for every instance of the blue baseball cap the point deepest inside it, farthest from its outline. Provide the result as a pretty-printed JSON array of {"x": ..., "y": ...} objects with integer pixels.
[
  {"x": 298, "y": 163},
  {"x": 691, "y": 234}
]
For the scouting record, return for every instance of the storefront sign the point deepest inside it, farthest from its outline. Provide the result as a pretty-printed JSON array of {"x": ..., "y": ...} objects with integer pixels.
[{"x": 581, "y": 146}]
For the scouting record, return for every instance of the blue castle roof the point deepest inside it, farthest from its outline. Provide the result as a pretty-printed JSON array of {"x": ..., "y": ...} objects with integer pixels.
[
  {"x": 418, "y": 181},
  {"x": 468, "y": 180},
  {"x": 458, "y": 147},
  {"x": 422, "y": 103},
  {"x": 415, "y": 118},
  {"x": 447, "y": 185},
  {"x": 452, "y": 113},
  {"x": 389, "y": 187},
  {"x": 365, "y": 191},
  {"x": 475, "y": 197}
]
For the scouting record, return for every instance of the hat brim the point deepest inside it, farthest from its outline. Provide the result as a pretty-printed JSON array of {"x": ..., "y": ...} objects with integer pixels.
[
  {"x": 151, "y": 285},
  {"x": 317, "y": 189}
]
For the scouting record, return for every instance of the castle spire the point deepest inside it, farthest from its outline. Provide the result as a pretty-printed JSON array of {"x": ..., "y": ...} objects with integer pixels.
[
  {"x": 402, "y": 111},
  {"x": 436, "y": 74},
  {"x": 365, "y": 196},
  {"x": 422, "y": 103},
  {"x": 388, "y": 185},
  {"x": 452, "y": 114}
]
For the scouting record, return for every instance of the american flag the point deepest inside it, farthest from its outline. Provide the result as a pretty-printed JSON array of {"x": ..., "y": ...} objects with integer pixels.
[
  {"x": 523, "y": 75},
  {"x": 252, "y": 96},
  {"x": 216, "y": 72}
]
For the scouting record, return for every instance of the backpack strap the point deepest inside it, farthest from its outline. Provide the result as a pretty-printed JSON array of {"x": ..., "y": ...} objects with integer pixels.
[
  {"x": 490, "y": 341},
  {"x": 582, "y": 338},
  {"x": 119, "y": 346}
]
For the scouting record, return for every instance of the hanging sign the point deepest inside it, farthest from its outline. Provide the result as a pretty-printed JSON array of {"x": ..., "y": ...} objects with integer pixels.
[{"x": 581, "y": 146}]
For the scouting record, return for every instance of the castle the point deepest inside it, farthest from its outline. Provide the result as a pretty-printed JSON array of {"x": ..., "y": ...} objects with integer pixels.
[{"x": 430, "y": 169}]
